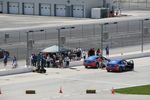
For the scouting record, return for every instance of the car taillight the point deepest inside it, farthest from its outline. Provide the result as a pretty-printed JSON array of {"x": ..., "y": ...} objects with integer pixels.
[{"x": 116, "y": 67}]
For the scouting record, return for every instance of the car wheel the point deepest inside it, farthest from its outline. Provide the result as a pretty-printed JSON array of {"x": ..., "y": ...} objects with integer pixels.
[
  {"x": 132, "y": 69},
  {"x": 108, "y": 70},
  {"x": 97, "y": 65},
  {"x": 120, "y": 69},
  {"x": 86, "y": 66}
]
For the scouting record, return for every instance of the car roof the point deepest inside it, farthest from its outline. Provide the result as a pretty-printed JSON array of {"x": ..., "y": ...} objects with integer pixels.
[
  {"x": 115, "y": 61},
  {"x": 91, "y": 57}
]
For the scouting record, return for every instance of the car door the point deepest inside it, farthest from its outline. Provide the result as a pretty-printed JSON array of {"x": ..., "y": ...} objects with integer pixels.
[
  {"x": 127, "y": 66},
  {"x": 130, "y": 65},
  {"x": 123, "y": 64}
]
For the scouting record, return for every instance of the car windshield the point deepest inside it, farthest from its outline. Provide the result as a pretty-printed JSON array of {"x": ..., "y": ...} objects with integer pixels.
[
  {"x": 115, "y": 62},
  {"x": 92, "y": 58}
]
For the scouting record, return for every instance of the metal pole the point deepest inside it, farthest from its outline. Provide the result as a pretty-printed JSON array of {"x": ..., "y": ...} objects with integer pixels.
[
  {"x": 19, "y": 37},
  {"x": 45, "y": 34},
  {"x": 82, "y": 30},
  {"x": 59, "y": 40},
  {"x": 142, "y": 43},
  {"x": 102, "y": 31},
  {"x": 27, "y": 56},
  {"x": 94, "y": 29},
  {"x": 28, "y": 48}
]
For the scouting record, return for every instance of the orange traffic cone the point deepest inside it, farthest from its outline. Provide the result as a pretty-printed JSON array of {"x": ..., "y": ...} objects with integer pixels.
[
  {"x": 60, "y": 91},
  {"x": 113, "y": 91}
]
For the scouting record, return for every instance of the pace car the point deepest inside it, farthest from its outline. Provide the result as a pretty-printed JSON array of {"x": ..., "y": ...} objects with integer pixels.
[
  {"x": 95, "y": 62},
  {"x": 120, "y": 65}
]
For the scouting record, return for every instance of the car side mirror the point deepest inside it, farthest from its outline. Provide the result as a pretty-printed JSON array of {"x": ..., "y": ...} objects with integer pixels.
[{"x": 131, "y": 61}]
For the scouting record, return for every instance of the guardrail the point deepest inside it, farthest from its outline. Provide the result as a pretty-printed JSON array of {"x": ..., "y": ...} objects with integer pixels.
[{"x": 15, "y": 71}]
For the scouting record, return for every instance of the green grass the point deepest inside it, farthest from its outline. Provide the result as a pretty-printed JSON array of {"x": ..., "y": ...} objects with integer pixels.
[{"x": 141, "y": 90}]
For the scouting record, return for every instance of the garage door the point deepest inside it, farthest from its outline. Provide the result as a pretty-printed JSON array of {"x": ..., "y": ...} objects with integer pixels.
[
  {"x": 78, "y": 11},
  {"x": 1, "y": 7},
  {"x": 28, "y": 8},
  {"x": 45, "y": 9},
  {"x": 60, "y": 10},
  {"x": 13, "y": 7}
]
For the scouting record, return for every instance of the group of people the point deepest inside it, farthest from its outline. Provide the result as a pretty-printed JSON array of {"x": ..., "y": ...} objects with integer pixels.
[
  {"x": 57, "y": 59},
  {"x": 14, "y": 60},
  {"x": 49, "y": 60},
  {"x": 97, "y": 52}
]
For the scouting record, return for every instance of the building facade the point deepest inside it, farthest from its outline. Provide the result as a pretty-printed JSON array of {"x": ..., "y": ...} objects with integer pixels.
[{"x": 69, "y": 8}]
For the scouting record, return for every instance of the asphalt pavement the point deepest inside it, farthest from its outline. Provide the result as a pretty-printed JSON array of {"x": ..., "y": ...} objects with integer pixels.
[{"x": 74, "y": 82}]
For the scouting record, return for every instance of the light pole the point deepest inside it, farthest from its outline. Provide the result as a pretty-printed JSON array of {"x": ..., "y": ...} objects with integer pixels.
[
  {"x": 28, "y": 53},
  {"x": 102, "y": 33},
  {"x": 142, "y": 38},
  {"x": 28, "y": 48},
  {"x": 59, "y": 29}
]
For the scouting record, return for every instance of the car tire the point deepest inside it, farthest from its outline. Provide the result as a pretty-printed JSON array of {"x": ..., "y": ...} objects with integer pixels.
[
  {"x": 133, "y": 66},
  {"x": 108, "y": 70},
  {"x": 120, "y": 69},
  {"x": 132, "y": 69},
  {"x": 86, "y": 66},
  {"x": 97, "y": 65}
]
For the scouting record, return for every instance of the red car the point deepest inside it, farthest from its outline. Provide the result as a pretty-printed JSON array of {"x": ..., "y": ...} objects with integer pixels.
[{"x": 95, "y": 62}]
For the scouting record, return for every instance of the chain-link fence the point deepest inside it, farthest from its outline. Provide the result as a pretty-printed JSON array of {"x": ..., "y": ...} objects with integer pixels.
[
  {"x": 132, "y": 4},
  {"x": 121, "y": 37}
]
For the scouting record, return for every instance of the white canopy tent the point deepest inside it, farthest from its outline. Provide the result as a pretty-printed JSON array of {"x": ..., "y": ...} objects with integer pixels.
[{"x": 53, "y": 49}]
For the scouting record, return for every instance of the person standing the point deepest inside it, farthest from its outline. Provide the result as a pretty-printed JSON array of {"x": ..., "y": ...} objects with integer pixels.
[
  {"x": 5, "y": 58},
  {"x": 60, "y": 61},
  {"x": 31, "y": 60},
  {"x": 98, "y": 52},
  {"x": 14, "y": 63},
  {"x": 48, "y": 60},
  {"x": 84, "y": 54},
  {"x": 67, "y": 60},
  {"x": 107, "y": 50},
  {"x": 39, "y": 60},
  {"x": 34, "y": 60}
]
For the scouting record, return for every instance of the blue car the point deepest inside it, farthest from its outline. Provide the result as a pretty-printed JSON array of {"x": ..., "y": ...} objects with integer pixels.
[
  {"x": 120, "y": 65},
  {"x": 95, "y": 62}
]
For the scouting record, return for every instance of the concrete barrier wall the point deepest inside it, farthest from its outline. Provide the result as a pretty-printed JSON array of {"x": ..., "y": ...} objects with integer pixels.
[
  {"x": 126, "y": 56},
  {"x": 15, "y": 71},
  {"x": 132, "y": 56}
]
